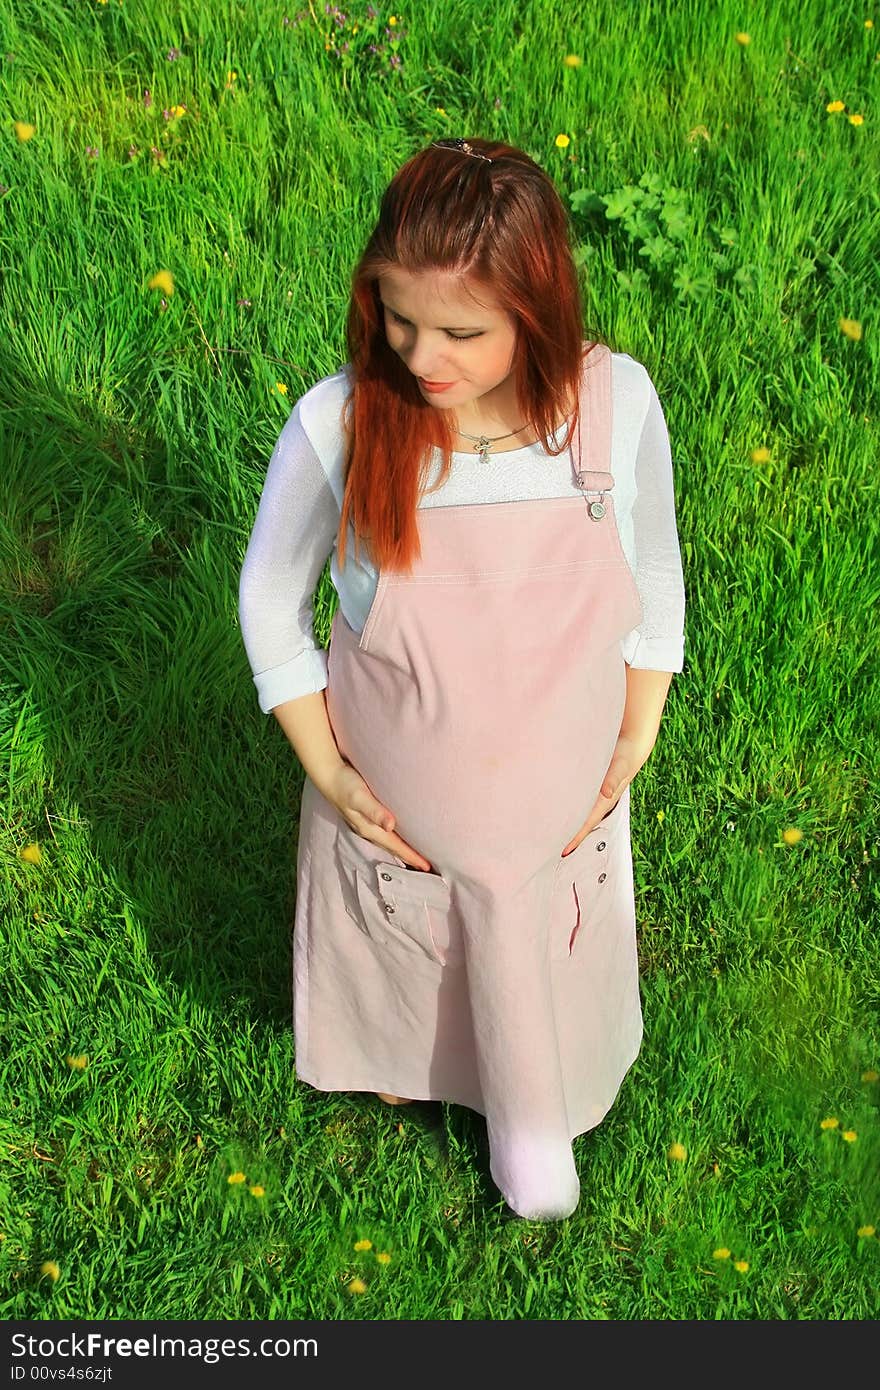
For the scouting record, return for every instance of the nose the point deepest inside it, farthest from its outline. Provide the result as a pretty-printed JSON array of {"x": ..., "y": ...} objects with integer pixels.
[
  {"x": 420, "y": 362},
  {"x": 428, "y": 371}
]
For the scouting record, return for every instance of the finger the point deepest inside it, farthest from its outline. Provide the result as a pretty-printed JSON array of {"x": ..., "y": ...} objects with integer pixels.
[
  {"x": 387, "y": 839},
  {"x": 614, "y": 781},
  {"x": 407, "y": 853},
  {"x": 385, "y": 820},
  {"x": 602, "y": 806}
]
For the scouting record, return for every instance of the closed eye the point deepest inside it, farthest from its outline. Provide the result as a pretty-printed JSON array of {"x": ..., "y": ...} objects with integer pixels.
[{"x": 456, "y": 337}]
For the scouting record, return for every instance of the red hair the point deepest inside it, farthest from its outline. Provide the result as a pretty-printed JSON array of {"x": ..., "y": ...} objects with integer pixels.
[{"x": 504, "y": 225}]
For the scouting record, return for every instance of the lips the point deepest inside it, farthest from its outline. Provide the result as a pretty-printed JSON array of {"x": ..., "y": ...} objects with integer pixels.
[{"x": 435, "y": 385}]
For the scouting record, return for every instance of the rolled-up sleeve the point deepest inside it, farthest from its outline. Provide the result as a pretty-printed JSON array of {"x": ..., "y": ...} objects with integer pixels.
[
  {"x": 658, "y": 643},
  {"x": 292, "y": 536}
]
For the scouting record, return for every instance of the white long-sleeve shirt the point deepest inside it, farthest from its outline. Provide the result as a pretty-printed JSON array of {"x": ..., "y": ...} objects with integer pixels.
[{"x": 300, "y": 506}]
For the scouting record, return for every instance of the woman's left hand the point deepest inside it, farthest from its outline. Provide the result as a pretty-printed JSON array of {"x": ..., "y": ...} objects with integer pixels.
[{"x": 626, "y": 760}]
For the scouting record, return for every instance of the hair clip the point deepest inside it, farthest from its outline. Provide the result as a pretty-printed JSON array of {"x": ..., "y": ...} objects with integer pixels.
[{"x": 461, "y": 145}]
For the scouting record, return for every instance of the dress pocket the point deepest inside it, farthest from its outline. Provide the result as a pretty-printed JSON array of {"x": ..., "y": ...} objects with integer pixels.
[
  {"x": 394, "y": 905},
  {"x": 583, "y": 889}
]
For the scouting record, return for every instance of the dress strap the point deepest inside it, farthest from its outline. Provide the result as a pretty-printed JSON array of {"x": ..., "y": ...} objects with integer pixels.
[
  {"x": 591, "y": 468},
  {"x": 591, "y": 463}
]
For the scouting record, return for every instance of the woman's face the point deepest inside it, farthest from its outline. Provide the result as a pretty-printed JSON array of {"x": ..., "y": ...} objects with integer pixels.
[{"x": 442, "y": 335}]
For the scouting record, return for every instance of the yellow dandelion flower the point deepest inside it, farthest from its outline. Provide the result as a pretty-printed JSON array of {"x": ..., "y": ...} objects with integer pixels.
[
  {"x": 661, "y": 816},
  {"x": 384, "y": 1258},
  {"x": 163, "y": 280},
  {"x": 23, "y": 130},
  {"x": 856, "y": 119},
  {"x": 761, "y": 455},
  {"x": 257, "y": 1190},
  {"x": 677, "y": 1151},
  {"x": 236, "y": 1178},
  {"x": 392, "y": 20},
  {"x": 571, "y": 60},
  {"x": 742, "y": 39},
  {"x": 51, "y": 1268},
  {"x": 791, "y": 835},
  {"x": 439, "y": 110},
  {"x": 281, "y": 388},
  {"x": 870, "y": 1075},
  {"x": 852, "y": 328},
  {"x": 849, "y": 1135},
  {"x": 741, "y": 1265},
  {"x": 835, "y": 106},
  {"x": 31, "y": 854},
  {"x": 869, "y": 24},
  {"x": 363, "y": 1245},
  {"x": 78, "y": 1062},
  {"x": 865, "y": 1231},
  {"x": 562, "y": 142},
  {"x": 722, "y": 1253},
  {"x": 178, "y": 111},
  {"x": 830, "y": 1123},
  {"x": 357, "y": 1286}
]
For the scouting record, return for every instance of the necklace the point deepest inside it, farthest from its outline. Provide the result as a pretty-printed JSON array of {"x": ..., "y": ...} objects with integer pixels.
[{"x": 482, "y": 443}]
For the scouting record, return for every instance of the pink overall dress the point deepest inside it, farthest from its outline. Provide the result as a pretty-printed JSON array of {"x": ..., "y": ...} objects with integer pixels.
[{"x": 481, "y": 704}]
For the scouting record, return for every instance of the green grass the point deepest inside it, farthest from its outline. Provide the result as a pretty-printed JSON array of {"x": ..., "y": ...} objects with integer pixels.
[{"x": 153, "y": 937}]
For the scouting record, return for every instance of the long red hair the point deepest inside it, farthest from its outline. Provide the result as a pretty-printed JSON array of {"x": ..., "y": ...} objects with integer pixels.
[{"x": 505, "y": 225}]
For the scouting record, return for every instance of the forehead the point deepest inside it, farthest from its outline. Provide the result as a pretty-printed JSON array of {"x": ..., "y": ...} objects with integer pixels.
[{"x": 447, "y": 290}]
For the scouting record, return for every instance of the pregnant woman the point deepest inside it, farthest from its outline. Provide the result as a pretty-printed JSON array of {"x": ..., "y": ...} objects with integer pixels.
[{"x": 497, "y": 669}]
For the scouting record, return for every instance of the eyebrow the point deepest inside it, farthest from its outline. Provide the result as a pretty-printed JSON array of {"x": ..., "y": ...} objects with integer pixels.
[{"x": 460, "y": 328}]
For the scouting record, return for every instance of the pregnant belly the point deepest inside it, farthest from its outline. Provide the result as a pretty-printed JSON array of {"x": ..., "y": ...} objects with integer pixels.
[{"x": 468, "y": 795}]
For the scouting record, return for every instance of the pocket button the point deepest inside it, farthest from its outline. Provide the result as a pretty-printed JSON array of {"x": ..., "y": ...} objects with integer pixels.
[
  {"x": 387, "y": 878},
  {"x": 601, "y": 844},
  {"x": 602, "y": 878}
]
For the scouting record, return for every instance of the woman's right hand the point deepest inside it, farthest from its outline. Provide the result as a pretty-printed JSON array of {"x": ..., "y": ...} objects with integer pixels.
[{"x": 367, "y": 816}]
